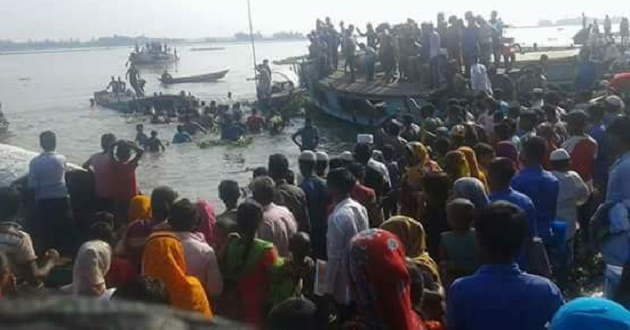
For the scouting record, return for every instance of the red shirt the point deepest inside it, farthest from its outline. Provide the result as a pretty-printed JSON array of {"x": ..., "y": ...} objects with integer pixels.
[
  {"x": 123, "y": 184},
  {"x": 619, "y": 81},
  {"x": 255, "y": 123},
  {"x": 102, "y": 168},
  {"x": 583, "y": 151}
]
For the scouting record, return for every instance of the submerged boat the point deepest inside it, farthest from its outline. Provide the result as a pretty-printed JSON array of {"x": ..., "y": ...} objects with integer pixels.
[
  {"x": 206, "y": 49},
  {"x": 214, "y": 76},
  {"x": 242, "y": 143},
  {"x": 129, "y": 103},
  {"x": 361, "y": 103}
]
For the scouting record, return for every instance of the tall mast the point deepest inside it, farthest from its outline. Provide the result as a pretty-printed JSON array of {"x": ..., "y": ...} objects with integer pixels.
[{"x": 251, "y": 36}]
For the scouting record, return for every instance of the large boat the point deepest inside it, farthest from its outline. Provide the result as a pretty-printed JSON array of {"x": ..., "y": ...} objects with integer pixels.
[
  {"x": 214, "y": 76},
  {"x": 161, "y": 103},
  {"x": 206, "y": 49},
  {"x": 153, "y": 53}
]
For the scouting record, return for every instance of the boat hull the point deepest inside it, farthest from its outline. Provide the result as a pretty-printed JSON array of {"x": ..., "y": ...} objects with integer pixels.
[
  {"x": 196, "y": 79},
  {"x": 127, "y": 103},
  {"x": 149, "y": 59}
]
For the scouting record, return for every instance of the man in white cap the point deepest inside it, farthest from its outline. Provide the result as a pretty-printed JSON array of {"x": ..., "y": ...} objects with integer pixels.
[
  {"x": 573, "y": 193},
  {"x": 317, "y": 199},
  {"x": 321, "y": 164}
]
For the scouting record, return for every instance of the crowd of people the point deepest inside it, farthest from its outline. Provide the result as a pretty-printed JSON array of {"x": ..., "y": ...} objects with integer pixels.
[{"x": 475, "y": 217}]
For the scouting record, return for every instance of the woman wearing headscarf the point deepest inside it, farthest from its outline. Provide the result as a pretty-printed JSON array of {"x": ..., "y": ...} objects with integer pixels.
[
  {"x": 163, "y": 258},
  {"x": 413, "y": 238},
  {"x": 139, "y": 209},
  {"x": 247, "y": 266},
  {"x": 380, "y": 282},
  {"x": 207, "y": 221},
  {"x": 418, "y": 165},
  {"x": 473, "y": 190},
  {"x": 92, "y": 262},
  {"x": 456, "y": 165},
  {"x": 473, "y": 165},
  {"x": 506, "y": 149}
]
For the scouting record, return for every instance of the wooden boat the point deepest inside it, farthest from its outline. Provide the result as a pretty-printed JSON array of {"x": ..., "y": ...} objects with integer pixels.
[
  {"x": 206, "y": 49},
  {"x": 129, "y": 103},
  {"x": 214, "y": 76}
]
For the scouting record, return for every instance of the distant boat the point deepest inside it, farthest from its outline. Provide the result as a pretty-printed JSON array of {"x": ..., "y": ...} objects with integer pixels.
[
  {"x": 153, "y": 53},
  {"x": 214, "y": 76},
  {"x": 206, "y": 49}
]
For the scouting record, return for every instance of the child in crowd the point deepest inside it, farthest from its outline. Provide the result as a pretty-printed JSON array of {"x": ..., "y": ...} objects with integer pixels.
[
  {"x": 154, "y": 144},
  {"x": 458, "y": 249},
  {"x": 301, "y": 266}
]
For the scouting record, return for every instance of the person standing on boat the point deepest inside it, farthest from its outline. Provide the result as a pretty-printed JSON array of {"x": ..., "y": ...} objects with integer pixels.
[
  {"x": 350, "y": 51},
  {"x": 370, "y": 35},
  {"x": 333, "y": 39},
  {"x": 264, "y": 82},
  {"x": 122, "y": 86},
  {"x": 453, "y": 41},
  {"x": 470, "y": 44},
  {"x": 607, "y": 26},
  {"x": 309, "y": 136},
  {"x": 370, "y": 61},
  {"x": 434, "y": 54},
  {"x": 113, "y": 84},
  {"x": 133, "y": 76}
]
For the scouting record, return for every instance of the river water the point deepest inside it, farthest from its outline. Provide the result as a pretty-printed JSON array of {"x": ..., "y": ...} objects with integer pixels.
[{"x": 51, "y": 91}]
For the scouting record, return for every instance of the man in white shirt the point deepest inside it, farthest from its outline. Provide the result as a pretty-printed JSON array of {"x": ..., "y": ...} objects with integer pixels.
[
  {"x": 479, "y": 81},
  {"x": 201, "y": 260},
  {"x": 47, "y": 180},
  {"x": 278, "y": 225},
  {"x": 346, "y": 220}
]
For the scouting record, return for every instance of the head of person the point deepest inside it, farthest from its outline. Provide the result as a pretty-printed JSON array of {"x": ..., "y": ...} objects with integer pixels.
[
  {"x": 362, "y": 153},
  {"x": 527, "y": 121},
  {"x": 596, "y": 113},
  {"x": 263, "y": 189},
  {"x": 591, "y": 313},
  {"x": 534, "y": 151},
  {"x": 139, "y": 208},
  {"x": 293, "y": 313},
  {"x": 410, "y": 233},
  {"x": 92, "y": 263},
  {"x": 107, "y": 141},
  {"x": 485, "y": 154},
  {"x": 577, "y": 122},
  {"x": 428, "y": 111},
  {"x": 500, "y": 174},
  {"x": 388, "y": 153},
  {"x": 456, "y": 165},
  {"x": 249, "y": 215},
  {"x": 260, "y": 171},
  {"x": 357, "y": 170},
  {"x": 162, "y": 199},
  {"x": 308, "y": 122},
  {"x": 471, "y": 189},
  {"x": 278, "y": 167},
  {"x": 501, "y": 231},
  {"x": 560, "y": 160},
  {"x": 340, "y": 183},
  {"x": 102, "y": 231},
  {"x": 552, "y": 98},
  {"x": 139, "y": 128},
  {"x": 374, "y": 255},
  {"x": 416, "y": 154},
  {"x": 321, "y": 163},
  {"x": 104, "y": 217},
  {"x": 307, "y": 162},
  {"x": 184, "y": 216},
  {"x": 619, "y": 132},
  {"x": 143, "y": 289},
  {"x": 551, "y": 115},
  {"x": 10, "y": 202},
  {"x": 48, "y": 141},
  {"x": 229, "y": 193},
  {"x": 123, "y": 152},
  {"x": 113, "y": 78},
  {"x": 154, "y": 134},
  {"x": 460, "y": 214},
  {"x": 300, "y": 246},
  {"x": 452, "y": 19},
  {"x": 437, "y": 186}
]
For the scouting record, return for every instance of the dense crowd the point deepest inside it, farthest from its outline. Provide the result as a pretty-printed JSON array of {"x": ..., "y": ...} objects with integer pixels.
[{"x": 476, "y": 217}]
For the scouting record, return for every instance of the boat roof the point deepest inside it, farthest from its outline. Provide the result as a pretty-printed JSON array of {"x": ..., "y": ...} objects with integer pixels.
[{"x": 340, "y": 81}]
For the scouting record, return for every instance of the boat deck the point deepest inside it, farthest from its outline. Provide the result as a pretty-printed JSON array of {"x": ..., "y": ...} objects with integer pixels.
[{"x": 340, "y": 81}]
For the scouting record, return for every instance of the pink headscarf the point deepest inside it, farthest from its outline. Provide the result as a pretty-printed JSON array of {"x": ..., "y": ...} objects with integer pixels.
[{"x": 207, "y": 221}]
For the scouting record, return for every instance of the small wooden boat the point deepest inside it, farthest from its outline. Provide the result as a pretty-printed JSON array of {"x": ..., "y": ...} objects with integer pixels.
[
  {"x": 206, "y": 49},
  {"x": 129, "y": 103},
  {"x": 195, "y": 79}
]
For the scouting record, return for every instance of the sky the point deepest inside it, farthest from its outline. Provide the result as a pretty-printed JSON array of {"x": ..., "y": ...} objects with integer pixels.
[{"x": 85, "y": 19}]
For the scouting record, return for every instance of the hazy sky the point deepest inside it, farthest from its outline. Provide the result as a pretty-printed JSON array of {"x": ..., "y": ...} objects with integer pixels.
[{"x": 84, "y": 19}]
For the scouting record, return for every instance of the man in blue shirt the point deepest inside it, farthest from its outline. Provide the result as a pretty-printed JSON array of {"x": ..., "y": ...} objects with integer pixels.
[
  {"x": 499, "y": 295},
  {"x": 539, "y": 185},
  {"x": 317, "y": 199},
  {"x": 618, "y": 182},
  {"x": 500, "y": 174},
  {"x": 181, "y": 136},
  {"x": 604, "y": 159}
]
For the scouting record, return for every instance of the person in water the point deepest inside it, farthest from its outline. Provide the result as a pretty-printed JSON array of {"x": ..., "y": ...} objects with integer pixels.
[
  {"x": 255, "y": 122},
  {"x": 141, "y": 137},
  {"x": 309, "y": 136},
  {"x": 232, "y": 130},
  {"x": 166, "y": 76},
  {"x": 154, "y": 144},
  {"x": 181, "y": 136}
]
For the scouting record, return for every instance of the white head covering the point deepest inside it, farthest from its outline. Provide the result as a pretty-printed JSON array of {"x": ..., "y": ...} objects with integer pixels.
[
  {"x": 321, "y": 156},
  {"x": 90, "y": 267},
  {"x": 307, "y": 156}
]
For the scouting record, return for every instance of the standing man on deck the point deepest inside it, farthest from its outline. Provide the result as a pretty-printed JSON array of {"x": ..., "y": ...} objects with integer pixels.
[
  {"x": 133, "y": 76},
  {"x": 349, "y": 49},
  {"x": 332, "y": 42},
  {"x": 607, "y": 26},
  {"x": 470, "y": 44},
  {"x": 309, "y": 136},
  {"x": 434, "y": 55},
  {"x": 47, "y": 180}
]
